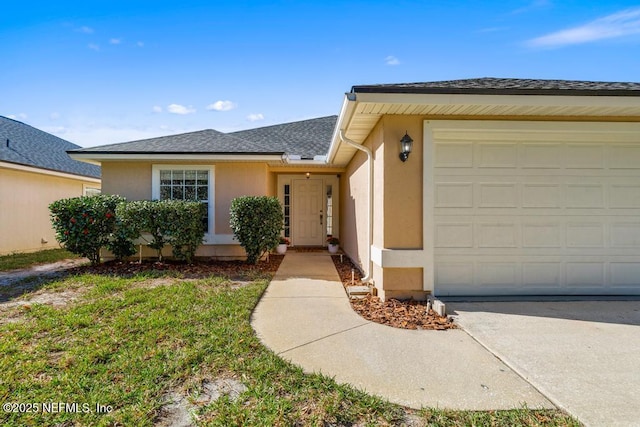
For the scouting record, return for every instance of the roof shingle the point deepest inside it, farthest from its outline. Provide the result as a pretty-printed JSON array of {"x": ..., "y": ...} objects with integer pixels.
[
  {"x": 501, "y": 86},
  {"x": 306, "y": 138},
  {"x": 25, "y": 145}
]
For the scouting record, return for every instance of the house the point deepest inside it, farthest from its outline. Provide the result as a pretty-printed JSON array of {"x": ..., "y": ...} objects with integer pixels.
[
  {"x": 465, "y": 187},
  {"x": 36, "y": 170}
]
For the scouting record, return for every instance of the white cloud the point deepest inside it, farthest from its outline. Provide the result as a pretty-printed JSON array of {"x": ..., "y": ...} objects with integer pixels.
[
  {"x": 85, "y": 30},
  {"x": 222, "y": 106},
  {"x": 94, "y": 46},
  {"x": 54, "y": 116},
  {"x": 391, "y": 60},
  {"x": 620, "y": 24},
  {"x": 180, "y": 109},
  {"x": 115, "y": 41},
  {"x": 90, "y": 136},
  {"x": 20, "y": 116},
  {"x": 56, "y": 130},
  {"x": 255, "y": 117},
  {"x": 156, "y": 109},
  {"x": 140, "y": 44}
]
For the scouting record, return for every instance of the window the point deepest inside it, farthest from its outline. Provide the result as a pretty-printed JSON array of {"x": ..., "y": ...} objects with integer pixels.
[
  {"x": 185, "y": 182},
  {"x": 287, "y": 210},
  {"x": 91, "y": 191},
  {"x": 329, "y": 210}
]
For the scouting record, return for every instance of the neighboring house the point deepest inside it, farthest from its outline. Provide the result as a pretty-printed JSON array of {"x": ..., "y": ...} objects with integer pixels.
[
  {"x": 512, "y": 187},
  {"x": 36, "y": 170}
]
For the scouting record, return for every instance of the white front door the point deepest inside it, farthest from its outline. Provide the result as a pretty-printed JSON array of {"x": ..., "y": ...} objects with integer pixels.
[{"x": 308, "y": 216}]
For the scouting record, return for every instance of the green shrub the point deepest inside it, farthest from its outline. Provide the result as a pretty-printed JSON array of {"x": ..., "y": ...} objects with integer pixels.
[
  {"x": 84, "y": 225},
  {"x": 256, "y": 222},
  {"x": 186, "y": 228},
  {"x": 121, "y": 242},
  {"x": 170, "y": 222}
]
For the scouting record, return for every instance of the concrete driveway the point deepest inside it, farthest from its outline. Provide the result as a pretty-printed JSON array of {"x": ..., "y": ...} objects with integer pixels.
[{"x": 582, "y": 355}]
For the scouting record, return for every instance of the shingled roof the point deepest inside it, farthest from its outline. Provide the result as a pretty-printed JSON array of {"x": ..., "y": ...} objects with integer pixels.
[
  {"x": 25, "y": 145},
  {"x": 499, "y": 86},
  {"x": 307, "y": 138},
  {"x": 206, "y": 141}
]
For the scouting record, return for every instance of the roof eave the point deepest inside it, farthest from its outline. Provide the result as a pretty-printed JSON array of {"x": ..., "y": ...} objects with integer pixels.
[
  {"x": 489, "y": 91},
  {"x": 97, "y": 157}
]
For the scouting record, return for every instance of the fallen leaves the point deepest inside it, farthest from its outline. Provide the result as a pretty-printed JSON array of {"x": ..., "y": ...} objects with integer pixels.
[{"x": 408, "y": 314}]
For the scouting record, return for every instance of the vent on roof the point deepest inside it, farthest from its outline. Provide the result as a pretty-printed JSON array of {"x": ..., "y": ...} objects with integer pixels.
[{"x": 7, "y": 142}]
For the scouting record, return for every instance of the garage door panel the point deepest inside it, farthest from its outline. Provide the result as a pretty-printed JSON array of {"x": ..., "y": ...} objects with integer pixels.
[
  {"x": 625, "y": 235},
  {"x": 585, "y": 273},
  {"x": 624, "y": 274},
  {"x": 542, "y": 274},
  {"x": 624, "y": 196},
  {"x": 541, "y": 156},
  {"x": 584, "y": 156},
  {"x": 537, "y": 215},
  {"x": 625, "y": 156}
]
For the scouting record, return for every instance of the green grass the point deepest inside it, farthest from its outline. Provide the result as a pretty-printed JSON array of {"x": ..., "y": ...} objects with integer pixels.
[
  {"x": 125, "y": 344},
  {"x": 24, "y": 260}
]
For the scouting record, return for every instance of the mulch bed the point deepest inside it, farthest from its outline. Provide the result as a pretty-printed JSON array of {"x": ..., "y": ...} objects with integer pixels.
[
  {"x": 408, "y": 314},
  {"x": 235, "y": 270}
]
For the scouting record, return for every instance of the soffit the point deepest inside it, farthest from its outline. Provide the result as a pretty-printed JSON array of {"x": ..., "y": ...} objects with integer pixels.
[{"x": 369, "y": 108}]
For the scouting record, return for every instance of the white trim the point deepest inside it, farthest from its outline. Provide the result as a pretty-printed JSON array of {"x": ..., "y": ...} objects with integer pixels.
[
  {"x": 506, "y": 100},
  {"x": 428, "y": 239},
  {"x": 31, "y": 169},
  {"x": 237, "y": 157},
  {"x": 223, "y": 239},
  {"x": 398, "y": 258},
  {"x": 86, "y": 187},
  {"x": 210, "y": 237}
]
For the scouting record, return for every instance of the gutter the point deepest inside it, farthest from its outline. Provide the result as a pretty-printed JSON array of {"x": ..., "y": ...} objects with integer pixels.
[{"x": 369, "y": 153}]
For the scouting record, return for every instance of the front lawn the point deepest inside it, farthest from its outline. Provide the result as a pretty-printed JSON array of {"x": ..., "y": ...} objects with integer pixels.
[
  {"x": 120, "y": 349},
  {"x": 24, "y": 260}
]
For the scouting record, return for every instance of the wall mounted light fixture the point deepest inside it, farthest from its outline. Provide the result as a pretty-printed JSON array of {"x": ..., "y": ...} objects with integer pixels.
[
  {"x": 308, "y": 175},
  {"x": 405, "y": 147}
]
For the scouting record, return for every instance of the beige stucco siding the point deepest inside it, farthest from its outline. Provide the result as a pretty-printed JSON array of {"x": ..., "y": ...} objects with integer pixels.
[
  {"x": 402, "y": 184},
  {"x": 133, "y": 181},
  {"x": 24, "y": 207},
  {"x": 397, "y": 204},
  {"x": 127, "y": 179},
  {"x": 354, "y": 201},
  {"x": 235, "y": 180}
]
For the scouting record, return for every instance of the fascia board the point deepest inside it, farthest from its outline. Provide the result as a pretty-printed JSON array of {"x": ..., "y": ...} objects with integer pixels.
[
  {"x": 346, "y": 112},
  {"x": 98, "y": 158},
  {"x": 515, "y": 100},
  {"x": 31, "y": 169}
]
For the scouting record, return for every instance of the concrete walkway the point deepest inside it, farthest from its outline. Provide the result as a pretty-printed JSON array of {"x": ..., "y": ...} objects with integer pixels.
[{"x": 305, "y": 317}]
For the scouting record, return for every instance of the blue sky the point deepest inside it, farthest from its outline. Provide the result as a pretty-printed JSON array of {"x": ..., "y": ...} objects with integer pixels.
[{"x": 100, "y": 72}]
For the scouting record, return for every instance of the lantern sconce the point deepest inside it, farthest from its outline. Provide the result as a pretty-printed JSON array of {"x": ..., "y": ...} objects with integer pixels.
[
  {"x": 308, "y": 175},
  {"x": 405, "y": 147}
]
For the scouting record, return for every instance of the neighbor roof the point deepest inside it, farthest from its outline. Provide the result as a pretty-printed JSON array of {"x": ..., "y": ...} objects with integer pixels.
[
  {"x": 499, "y": 86},
  {"x": 25, "y": 145},
  {"x": 307, "y": 138}
]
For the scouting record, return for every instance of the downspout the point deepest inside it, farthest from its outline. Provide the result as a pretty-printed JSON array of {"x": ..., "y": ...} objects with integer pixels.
[{"x": 369, "y": 272}]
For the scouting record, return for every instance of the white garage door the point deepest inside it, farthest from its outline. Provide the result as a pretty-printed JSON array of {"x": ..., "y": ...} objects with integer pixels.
[{"x": 535, "y": 208}]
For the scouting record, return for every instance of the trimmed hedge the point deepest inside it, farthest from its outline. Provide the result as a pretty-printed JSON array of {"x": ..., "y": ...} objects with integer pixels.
[
  {"x": 170, "y": 222},
  {"x": 256, "y": 222},
  {"x": 84, "y": 225}
]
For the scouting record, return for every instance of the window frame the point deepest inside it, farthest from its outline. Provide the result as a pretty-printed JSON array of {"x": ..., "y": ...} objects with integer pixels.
[{"x": 155, "y": 190}]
